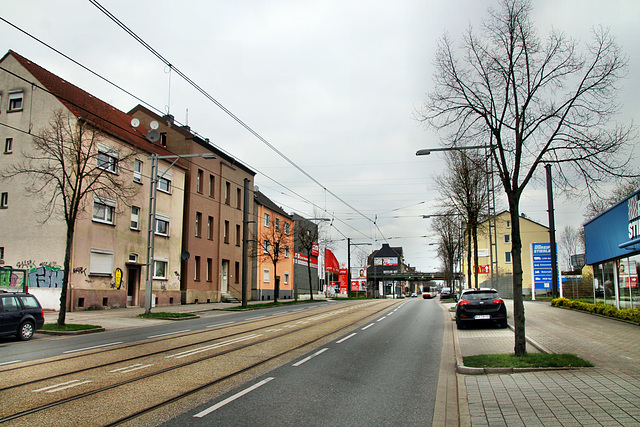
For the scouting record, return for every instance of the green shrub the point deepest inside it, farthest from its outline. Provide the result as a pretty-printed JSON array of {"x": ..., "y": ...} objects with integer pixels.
[{"x": 630, "y": 314}]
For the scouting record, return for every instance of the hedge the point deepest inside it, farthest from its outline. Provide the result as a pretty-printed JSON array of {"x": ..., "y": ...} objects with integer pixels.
[{"x": 629, "y": 314}]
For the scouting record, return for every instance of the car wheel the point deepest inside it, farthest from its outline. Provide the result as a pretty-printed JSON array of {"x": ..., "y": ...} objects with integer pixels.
[
  {"x": 459, "y": 325},
  {"x": 26, "y": 331},
  {"x": 503, "y": 323}
]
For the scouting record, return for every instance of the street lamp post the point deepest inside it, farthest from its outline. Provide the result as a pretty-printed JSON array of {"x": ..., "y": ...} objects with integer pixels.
[{"x": 153, "y": 193}]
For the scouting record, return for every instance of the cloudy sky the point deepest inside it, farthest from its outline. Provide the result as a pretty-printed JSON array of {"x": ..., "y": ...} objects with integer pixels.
[{"x": 333, "y": 85}]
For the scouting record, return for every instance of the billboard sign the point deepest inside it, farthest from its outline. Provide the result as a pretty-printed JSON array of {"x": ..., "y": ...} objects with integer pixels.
[{"x": 541, "y": 266}]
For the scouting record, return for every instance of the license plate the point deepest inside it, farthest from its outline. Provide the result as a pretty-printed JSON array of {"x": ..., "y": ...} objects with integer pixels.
[{"x": 482, "y": 316}]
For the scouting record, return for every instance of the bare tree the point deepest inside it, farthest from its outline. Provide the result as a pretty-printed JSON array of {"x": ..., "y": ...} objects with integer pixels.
[
  {"x": 273, "y": 243},
  {"x": 533, "y": 102},
  {"x": 570, "y": 242},
  {"x": 447, "y": 229},
  {"x": 306, "y": 235},
  {"x": 604, "y": 201},
  {"x": 464, "y": 185},
  {"x": 64, "y": 168}
]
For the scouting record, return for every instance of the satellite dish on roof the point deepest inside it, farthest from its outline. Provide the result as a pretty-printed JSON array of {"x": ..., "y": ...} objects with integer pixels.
[
  {"x": 153, "y": 136},
  {"x": 154, "y": 125},
  {"x": 135, "y": 122}
]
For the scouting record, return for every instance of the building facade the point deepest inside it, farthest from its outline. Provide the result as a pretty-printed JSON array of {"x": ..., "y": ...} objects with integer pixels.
[
  {"x": 272, "y": 256},
  {"x": 612, "y": 248},
  {"x": 213, "y": 198},
  {"x": 108, "y": 257},
  {"x": 306, "y": 251}
]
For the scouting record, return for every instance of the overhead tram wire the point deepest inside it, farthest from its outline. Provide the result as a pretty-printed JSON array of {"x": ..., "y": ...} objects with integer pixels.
[{"x": 218, "y": 104}]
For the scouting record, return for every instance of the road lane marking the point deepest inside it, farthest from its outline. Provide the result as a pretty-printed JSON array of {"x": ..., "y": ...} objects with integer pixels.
[
  {"x": 212, "y": 346},
  {"x": 254, "y": 318},
  {"x": 220, "y": 324},
  {"x": 232, "y": 398},
  {"x": 91, "y": 348},
  {"x": 131, "y": 368},
  {"x": 273, "y": 330},
  {"x": 61, "y": 386},
  {"x": 306, "y": 359},
  {"x": 346, "y": 338},
  {"x": 10, "y": 362},
  {"x": 382, "y": 318},
  {"x": 368, "y": 326},
  {"x": 169, "y": 333}
]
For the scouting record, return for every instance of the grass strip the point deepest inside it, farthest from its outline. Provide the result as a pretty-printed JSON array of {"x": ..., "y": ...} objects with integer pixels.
[
  {"x": 530, "y": 360},
  {"x": 165, "y": 315},
  {"x": 68, "y": 327}
]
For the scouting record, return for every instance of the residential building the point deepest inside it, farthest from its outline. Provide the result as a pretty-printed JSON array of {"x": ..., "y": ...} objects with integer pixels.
[
  {"x": 533, "y": 235},
  {"x": 273, "y": 254},
  {"x": 213, "y": 200},
  {"x": 109, "y": 251}
]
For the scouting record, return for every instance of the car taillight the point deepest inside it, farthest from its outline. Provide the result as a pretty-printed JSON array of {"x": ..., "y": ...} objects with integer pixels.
[
  {"x": 498, "y": 301},
  {"x": 463, "y": 302}
]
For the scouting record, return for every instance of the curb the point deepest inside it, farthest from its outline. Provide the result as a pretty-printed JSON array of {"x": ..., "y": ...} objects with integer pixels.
[{"x": 81, "y": 332}]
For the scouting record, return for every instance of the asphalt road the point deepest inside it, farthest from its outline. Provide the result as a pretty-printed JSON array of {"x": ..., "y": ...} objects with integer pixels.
[{"x": 382, "y": 373}]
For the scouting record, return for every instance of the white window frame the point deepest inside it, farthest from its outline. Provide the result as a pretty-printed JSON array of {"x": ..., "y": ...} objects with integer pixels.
[
  {"x": 286, "y": 277},
  {"x": 286, "y": 228},
  {"x": 8, "y": 145},
  {"x": 137, "y": 171},
  {"x": 164, "y": 182},
  {"x": 266, "y": 245},
  {"x": 15, "y": 97},
  {"x": 4, "y": 200},
  {"x": 267, "y": 220},
  {"x": 133, "y": 258},
  {"x": 265, "y": 275},
  {"x": 507, "y": 257},
  {"x": 286, "y": 251},
  {"x": 277, "y": 224},
  {"x": 100, "y": 262},
  {"x": 158, "y": 262},
  {"x": 109, "y": 207},
  {"x": 135, "y": 217},
  {"x": 508, "y": 223},
  {"x": 198, "y": 224},
  {"x": 107, "y": 158},
  {"x": 162, "y": 218},
  {"x": 507, "y": 238}
]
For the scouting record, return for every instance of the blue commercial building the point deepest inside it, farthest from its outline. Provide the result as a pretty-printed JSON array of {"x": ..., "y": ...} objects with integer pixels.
[{"x": 612, "y": 247}]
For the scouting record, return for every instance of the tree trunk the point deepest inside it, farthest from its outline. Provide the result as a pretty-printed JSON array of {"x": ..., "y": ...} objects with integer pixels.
[
  {"x": 475, "y": 252},
  {"x": 469, "y": 259},
  {"x": 309, "y": 273},
  {"x": 66, "y": 273},
  {"x": 276, "y": 286},
  {"x": 520, "y": 347}
]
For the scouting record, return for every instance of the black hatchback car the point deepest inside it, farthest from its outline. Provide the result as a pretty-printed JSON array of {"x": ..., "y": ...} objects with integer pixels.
[
  {"x": 480, "y": 305},
  {"x": 20, "y": 315}
]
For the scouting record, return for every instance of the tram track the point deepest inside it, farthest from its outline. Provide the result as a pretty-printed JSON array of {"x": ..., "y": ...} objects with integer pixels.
[{"x": 237, "y": 344}]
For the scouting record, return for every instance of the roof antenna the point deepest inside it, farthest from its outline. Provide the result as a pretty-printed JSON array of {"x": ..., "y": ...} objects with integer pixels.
[{"x": 169, "y": 94}]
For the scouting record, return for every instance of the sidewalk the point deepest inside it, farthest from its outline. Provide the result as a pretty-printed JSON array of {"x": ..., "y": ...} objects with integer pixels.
[{"x": 606, "y": 395}]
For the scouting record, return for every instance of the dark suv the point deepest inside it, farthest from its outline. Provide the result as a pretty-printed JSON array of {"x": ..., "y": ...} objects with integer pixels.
[
  {"x": 20, "y": 315},
  {"x": 480, "y": 305}
]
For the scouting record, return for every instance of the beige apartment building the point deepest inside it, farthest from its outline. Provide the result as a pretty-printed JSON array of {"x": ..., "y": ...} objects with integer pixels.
[
  {"x": 530, "y": 231},
  {"x": 108, "y": 262},
  {"x": 213, "y": 197}
]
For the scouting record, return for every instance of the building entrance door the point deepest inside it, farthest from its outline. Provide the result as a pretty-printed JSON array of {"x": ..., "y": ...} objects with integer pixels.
[
  {"x": 224, "y": 286},
  {"x": 133, "y": 284}
]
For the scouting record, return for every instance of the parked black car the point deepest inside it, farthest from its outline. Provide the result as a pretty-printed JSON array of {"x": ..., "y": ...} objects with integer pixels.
[
  {"x": 445, "y": 293},
  {"x": 480, "y": 305},
  {"x": 20, "y": 315}
]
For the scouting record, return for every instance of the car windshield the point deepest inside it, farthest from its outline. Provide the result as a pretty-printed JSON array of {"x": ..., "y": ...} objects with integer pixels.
[{"x": 480, "y": 296}]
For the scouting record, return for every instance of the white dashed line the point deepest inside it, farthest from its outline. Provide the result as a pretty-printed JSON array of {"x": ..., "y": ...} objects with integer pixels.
[
  {"x": 306, "y": 359},
  {"x": 168, "y": 333},
  {"x": 91, "y": 348},
  {"x": 232, "y": 398},
  {"x": 346, "y": 338}
]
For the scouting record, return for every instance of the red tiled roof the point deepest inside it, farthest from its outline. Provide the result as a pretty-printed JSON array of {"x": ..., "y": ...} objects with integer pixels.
[{"x": 82, "y": 104}]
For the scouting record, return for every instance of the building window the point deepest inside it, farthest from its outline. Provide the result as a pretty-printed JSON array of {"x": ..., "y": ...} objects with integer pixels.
[
  {"x": 237, "y": 275},
  {"x": 226, "y": 231},
  {"x": 133, "y": 258},
  {"x": 507, "y": 257},
  {"x": 507, "y": 238},
  {"x": 2, "y": 252},
  {"x": 196, "y": 267},
  {"x": 199, "y": 181},
  {"x": 8, "y": 145},
  {"x": 4, "y": 200},
  {"x": 210, "y": 228},
  {"x": 212, "y": 185},
  {"x": 277, "y": 224},
  {"x": 163, "y": 139},
  {"x": 286, "y": 277},
  {"x": 238, "y": 235},
  {"x": 265, "y": 275},
  {"x": 164, "y": 182},
  {"x": 239, "y": 198},
  {"x": 286, "y": 228},
  {"x": 135, "y": 218},
  {"x": 209, "y": 269},
  {"x": 107, "y": 158},
  {"x": 267, "y": 220},
  {"x": 266, "y": 246},
  {"x": 162, "y": 225},
  {"x": 160, "y": 268},
  {"x": 286, "y": 251},
  {"x": 100, "y": 262},
  {"x": 227, "y": 193},
  {"x": 104, "y": 210},
  {"x": 198, "y": 224},
  {"x": 508, "y": 223},
  {"x": 15, "y": 101},
  {"x": 137, "y": 171}
]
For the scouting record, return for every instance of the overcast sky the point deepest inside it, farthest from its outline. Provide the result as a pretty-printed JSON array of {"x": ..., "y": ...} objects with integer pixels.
[{"x": 331, "y": 84}]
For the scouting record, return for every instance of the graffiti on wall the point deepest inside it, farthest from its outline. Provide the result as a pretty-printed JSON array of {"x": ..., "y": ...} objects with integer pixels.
[
  {"x": 46, "y": 277},
  {"x": 8, "y": 278}
]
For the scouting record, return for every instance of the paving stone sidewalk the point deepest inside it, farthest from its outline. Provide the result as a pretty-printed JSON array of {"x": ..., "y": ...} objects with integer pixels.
[{"x": 607, "y": 395}]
